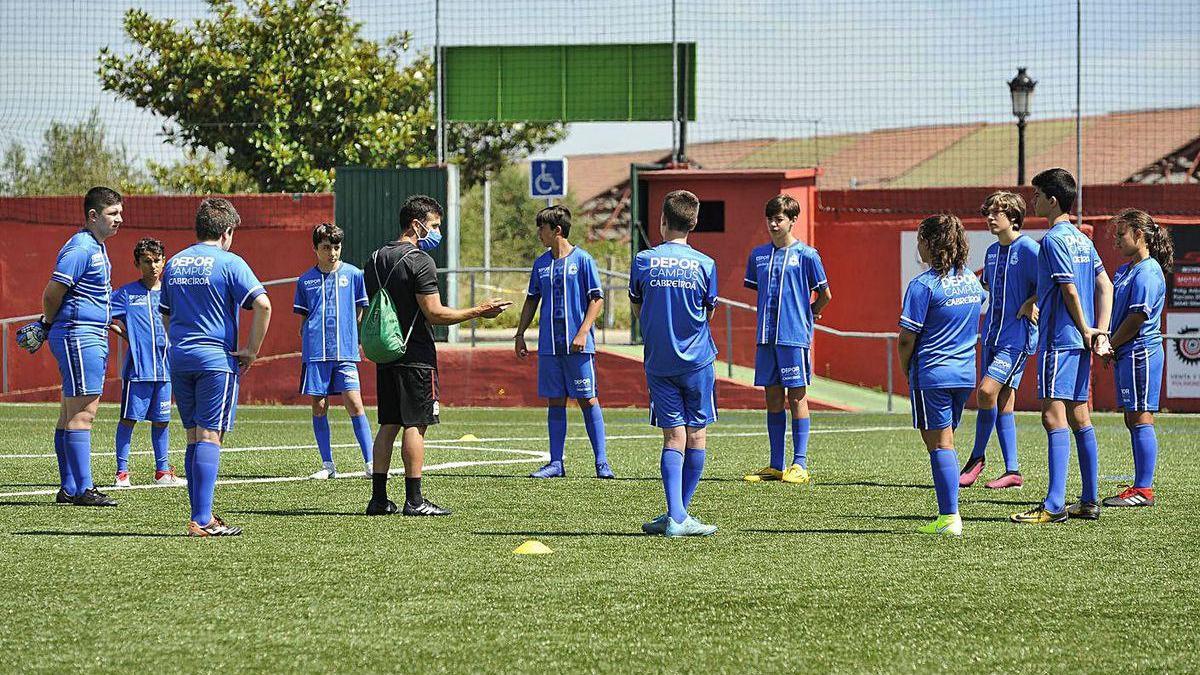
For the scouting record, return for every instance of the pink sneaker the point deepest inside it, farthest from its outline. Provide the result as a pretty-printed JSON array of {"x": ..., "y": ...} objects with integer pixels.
[
  {"x": 1009, "y": 479},
  {"x": 970, "y": 472}
]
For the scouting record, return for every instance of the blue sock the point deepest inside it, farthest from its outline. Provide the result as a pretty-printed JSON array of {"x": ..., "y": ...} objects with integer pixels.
[
  {"x": 160, "y": 440},
  {"x": 362, "y": 432},
  {"x": 593, "y": 420},
  {"x": 800, "y": 429},
  {"x": 321, "y": 432},
  {"x": 189, "y": 469},
  {"x": 693, "y": 467},
  {"x": 207, "y": 458},
  {"x": 1058, "y": 442},
  {"x": 1145, "y": 454},
  {"x": 66, "y": 479},
  {"x": 671, "y": 466},
  {"x": 556, "y": 422},
  {"x": 1089, "y": 463},
  {"x": 944, "y": 463},
  {"x": 776, "y": 423},
  {"x": 78, "y": 443},
  {"x": 1006, "y": 429},
  {"x": 985, "y": 422},
  {"x": 124, "y": 438}
]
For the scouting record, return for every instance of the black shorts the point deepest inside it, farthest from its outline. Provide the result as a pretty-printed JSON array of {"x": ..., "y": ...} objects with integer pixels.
[{"x": 407, "y": 396}]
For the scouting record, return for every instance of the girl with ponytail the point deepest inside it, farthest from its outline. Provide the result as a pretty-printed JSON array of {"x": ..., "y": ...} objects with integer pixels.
[{"x": 1140, "y": 290}]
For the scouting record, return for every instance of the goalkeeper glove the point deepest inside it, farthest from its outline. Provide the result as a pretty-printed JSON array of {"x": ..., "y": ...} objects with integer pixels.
[{"x": 33, "y": 336}]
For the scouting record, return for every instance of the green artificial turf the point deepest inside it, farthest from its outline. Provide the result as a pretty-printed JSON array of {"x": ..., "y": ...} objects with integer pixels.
[{"x": 816, "y": 579}]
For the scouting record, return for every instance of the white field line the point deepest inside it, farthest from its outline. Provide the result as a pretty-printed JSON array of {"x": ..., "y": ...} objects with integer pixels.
[
  {"x": 454, "y": 443},
  {"x": 534, "y": 456}
]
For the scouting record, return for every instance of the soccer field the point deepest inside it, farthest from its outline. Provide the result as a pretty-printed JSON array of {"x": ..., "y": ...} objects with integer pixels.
[{"x": 828, "y": 577}]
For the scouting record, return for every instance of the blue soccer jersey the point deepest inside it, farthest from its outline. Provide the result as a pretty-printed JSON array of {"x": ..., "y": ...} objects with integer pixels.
[
  {"x": 203, "y": 287},
  {"x": 138, "y": 308},
  {"x": 676, "y": 286},
  {"x": 329, "y": 304},
  {"x": 83, "y": 267},
  {"x": 565, "y": 286},
  {"x": 943, "y": 310},
  {"x": 1010, "y": 273},
  {"x": 1066, "y": 256},
  {"x": 1139, "y": 287},
  {"x": 785, "y": 279}
]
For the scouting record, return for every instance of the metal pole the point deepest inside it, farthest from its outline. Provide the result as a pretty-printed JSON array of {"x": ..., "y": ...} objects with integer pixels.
[
  {"x": 437, "y": 76},
  {"x": 487, "y": 229},
  {"x": 472, "y": 275},
  {"x": 889, "y": 373},
  {"x": 1079, "y": 112},
  {"x": 1020, "y": 151},
  {"x": 4, "y": 349},
  {"x": 729, "y": 339},
  {"x": 676, "y": 152}
]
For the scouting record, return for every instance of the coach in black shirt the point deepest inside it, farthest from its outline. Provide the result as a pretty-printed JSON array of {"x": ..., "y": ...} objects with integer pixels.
[{"x": 408, "y": 387}]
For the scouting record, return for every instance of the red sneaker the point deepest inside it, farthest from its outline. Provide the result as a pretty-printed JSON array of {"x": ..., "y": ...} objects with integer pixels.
[
  {"x": 970, "y": 472},
  {"x": 1008, "y": 479},
  {"x": 1132, "y": 496}
]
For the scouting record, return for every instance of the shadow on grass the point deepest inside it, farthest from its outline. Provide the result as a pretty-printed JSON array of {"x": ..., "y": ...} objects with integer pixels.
[
  {"x": 527, "y": 533},
  {"x": 869, "y": 483},
  {"x": 51, "y": 502},
  {"x": 525, "y": 477},
  {"x": 821, "y": 531},
  {"x": 295, "y": 512},
  {"x": 69, "y": 533},
  {"x": 1008, "y": 502},
  {"x": 922, "y": 519}
]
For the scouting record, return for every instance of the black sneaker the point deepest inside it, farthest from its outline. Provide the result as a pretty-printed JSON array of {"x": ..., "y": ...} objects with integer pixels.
[
  {"x": 425, "y": 508},
  {"x": 385, "y": 507},
  {"x": 63, "y": 498},
  {"x": 93, "y": 497},
  {"x": 1084, "y": 510}
]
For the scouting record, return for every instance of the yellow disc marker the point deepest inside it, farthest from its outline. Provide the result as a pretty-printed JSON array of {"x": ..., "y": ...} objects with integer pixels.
[
  {"x": 469, "y": 437},
  {"x": 533, "y": 547}
]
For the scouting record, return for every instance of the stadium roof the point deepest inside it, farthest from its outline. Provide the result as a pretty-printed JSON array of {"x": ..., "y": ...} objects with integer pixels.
[{"x": 1116, "y": 147}]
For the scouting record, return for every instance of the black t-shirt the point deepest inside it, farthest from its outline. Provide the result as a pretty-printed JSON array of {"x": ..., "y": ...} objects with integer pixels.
[{"x": 412, "y": 273}]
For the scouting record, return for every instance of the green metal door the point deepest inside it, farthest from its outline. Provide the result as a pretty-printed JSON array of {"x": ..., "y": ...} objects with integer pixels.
[{"x": 366, "y": 204}]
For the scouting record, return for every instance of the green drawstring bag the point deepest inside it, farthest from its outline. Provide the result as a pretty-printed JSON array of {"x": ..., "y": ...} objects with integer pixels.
[{"x": 380, "y": 334}]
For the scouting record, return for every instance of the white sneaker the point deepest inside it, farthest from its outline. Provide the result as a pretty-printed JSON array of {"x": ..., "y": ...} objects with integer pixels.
[
  {"x": 326, "y": 473},
  {"x": 123, "y": 479},
  {"x": 168, "y": 478},
  {"x": 369, "y": 469}
]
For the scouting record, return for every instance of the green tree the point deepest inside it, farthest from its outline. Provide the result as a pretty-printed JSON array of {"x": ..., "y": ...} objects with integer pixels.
[
  {"x": 290, "y": 89},
  {"x": 200, "y": 172},
  {"x": 74, "y": 157}
]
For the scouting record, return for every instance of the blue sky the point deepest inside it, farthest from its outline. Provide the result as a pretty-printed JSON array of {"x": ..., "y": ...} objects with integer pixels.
[{"x": 767, "y": 68}]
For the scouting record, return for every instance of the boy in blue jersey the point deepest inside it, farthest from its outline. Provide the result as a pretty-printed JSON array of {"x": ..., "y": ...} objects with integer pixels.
[
  {"x": 76, "y": 312},
  {"x": 204, "y": 287},
  {"x": 1009, "y": 336},
  {"x": 565, "y": 282},
  {"x": 331, "y": 297},
  {"x": 1140, "y": 290},
  {"x": 939, "y": 326},
  {"x": 1074, "y": 299},
  {"x": 785, "y": 274},
  {"x": 146, "y": 375},
  {"x": 673, "y": 290}
]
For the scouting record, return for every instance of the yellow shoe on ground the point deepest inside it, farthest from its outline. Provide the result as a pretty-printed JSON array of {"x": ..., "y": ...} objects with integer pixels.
[
  {"x": 764, "y": 474},
  {"x": 795, "y": 474},
  {"x": 948, "y": 525}
]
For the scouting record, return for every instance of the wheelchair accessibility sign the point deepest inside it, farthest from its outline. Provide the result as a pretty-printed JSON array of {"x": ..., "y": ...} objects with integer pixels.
[{"x": 547, "y": 178}]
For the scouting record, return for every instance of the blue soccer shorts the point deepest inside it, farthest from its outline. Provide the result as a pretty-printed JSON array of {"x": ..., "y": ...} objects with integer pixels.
[
  {"x": 205, "y": 398},
  {"x": 781, "y": 365},
  {"x": 1005, "y": 365},
  {"x": 1139, "y": 375},
  {"x": 939, "y": 408},
  {"x": 324, "y": 378},
  {"x": 567, "y": 376},
  {"x": 146, "y": 401},
  {"x": 81, "y": 362},
  {"x": 687, "y": 400},
  {"x": 1064, "y": 374}
]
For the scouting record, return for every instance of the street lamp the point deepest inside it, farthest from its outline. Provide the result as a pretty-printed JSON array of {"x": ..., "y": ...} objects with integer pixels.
[{"x": 1021, "y": 88}]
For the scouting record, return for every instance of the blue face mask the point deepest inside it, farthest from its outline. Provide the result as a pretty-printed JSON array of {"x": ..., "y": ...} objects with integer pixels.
[{"x": 430, "y": 241}]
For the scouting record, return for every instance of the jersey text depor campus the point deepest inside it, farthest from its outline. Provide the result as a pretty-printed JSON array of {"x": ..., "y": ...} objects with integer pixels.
[
  {"x": 676, "y": 285},
  {"x": 943, "y": 310}
]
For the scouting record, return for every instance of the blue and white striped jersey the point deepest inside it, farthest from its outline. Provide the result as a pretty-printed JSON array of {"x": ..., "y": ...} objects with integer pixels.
[
  {"x": 566, "y": 286},
  {"x": 138, "y": 308},
  {"x": 1010, "y": 273},
  {"x": 329, "y": 304},
  {"x": 1066, "y": 256},
  {"x": 83, "y": 267},
  {"x": 785, "y": 279},
  {"x": 1139, "y": 288}
]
